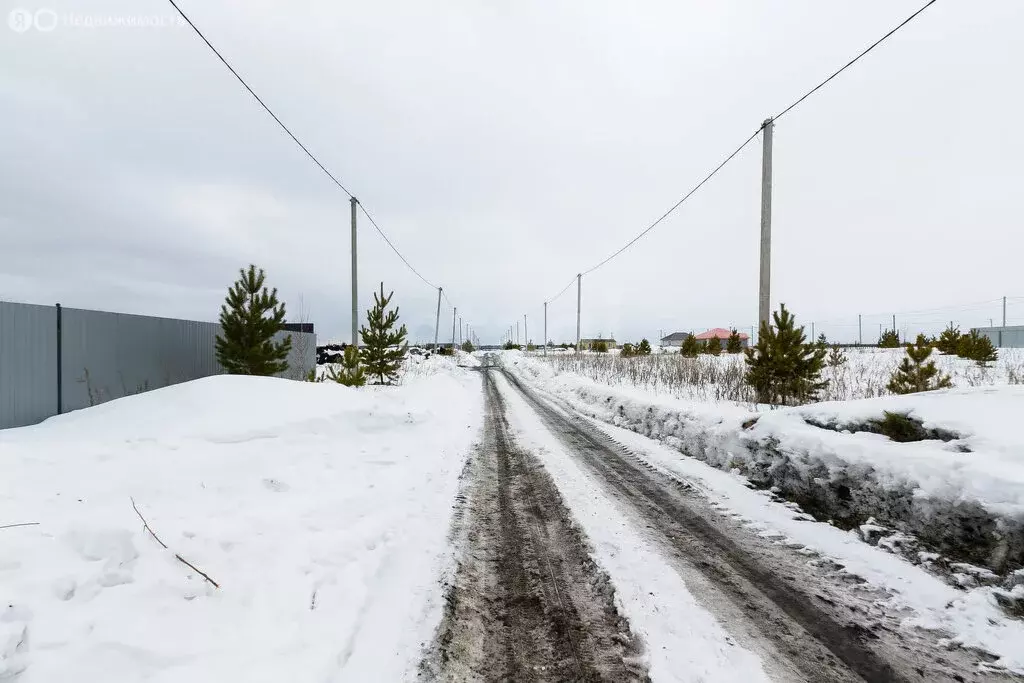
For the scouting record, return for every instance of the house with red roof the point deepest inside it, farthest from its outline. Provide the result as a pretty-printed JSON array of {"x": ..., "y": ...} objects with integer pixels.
[{"x": 722, "y": 335}]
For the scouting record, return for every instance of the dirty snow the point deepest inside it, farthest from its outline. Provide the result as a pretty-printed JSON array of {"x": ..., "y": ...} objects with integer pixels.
[{"x": 321, "y": 511}]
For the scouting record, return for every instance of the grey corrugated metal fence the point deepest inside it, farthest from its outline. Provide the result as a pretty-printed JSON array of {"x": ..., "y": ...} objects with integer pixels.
[
  {"x": 1010, "y": 337},
  {"x": 55, "y": 359}
]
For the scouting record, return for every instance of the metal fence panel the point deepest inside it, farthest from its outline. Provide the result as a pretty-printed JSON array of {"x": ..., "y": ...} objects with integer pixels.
[
  {"x": 104, "y": 356},
  {"x": 1009, "y": 337},
  {"x": 28, "y": 363},
  {"x": 110, "y": 355}
]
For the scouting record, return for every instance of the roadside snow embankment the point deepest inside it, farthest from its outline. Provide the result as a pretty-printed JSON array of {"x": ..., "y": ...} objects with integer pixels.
[
  {"x": 321, "y": 511},
  {"x": 963, "y": 498}
]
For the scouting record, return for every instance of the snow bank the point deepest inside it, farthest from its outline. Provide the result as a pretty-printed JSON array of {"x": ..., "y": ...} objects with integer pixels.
[
  {"x": 321, "y": 511},
  {"x": 967, "y": 505}
]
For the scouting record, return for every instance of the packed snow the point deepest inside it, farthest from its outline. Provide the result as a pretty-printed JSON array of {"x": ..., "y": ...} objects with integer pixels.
[
  {"x": 969, "y": 618},
  {"x": 321, "y": 511},
  {"x": 966, "y": 504},
  {"x": 684, "y": 641}
]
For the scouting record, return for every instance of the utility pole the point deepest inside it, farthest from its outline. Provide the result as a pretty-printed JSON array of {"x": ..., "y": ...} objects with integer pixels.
[
  {"x": 860, "y": 331},
  {"x": 1004, "y": 311},
  {"x": 813, "y": 338},
  {"x": 526, "y": 333},
  {"x": 460, "y": 330},
  {"x": 579, "y": 300},
  {"x": 764, "y": 292},
  {"x": 437, "y": 320},
  {"x": 893, "y": 322},
  {"x": 454, "y": 311},
  {"x": 545, "y": 329},
  {"x": 355, "y": 285}
]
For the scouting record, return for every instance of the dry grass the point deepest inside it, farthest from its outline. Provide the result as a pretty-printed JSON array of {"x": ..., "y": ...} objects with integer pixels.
[{"x": 706, "y": 378}]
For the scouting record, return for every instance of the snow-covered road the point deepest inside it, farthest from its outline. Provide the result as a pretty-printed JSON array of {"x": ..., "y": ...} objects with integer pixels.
[{"x": 712, "y": 594}]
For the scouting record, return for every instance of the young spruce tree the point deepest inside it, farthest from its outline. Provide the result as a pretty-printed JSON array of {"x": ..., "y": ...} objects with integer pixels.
[
  {"x": 351, "y": 373},
  {"x": 690, "y": 348},
  {"x": 383, "y": 346},
  {"x": 734, "y": 344},
  {"x": 914, "y": 374},
  {"x": 249, "y": 319},
  {"x": 949, "y": 341},
  {"x": 782, "y": 368},
  {"x": 890, "y": 339},
  {"x": 713, "y": 346},
  {"x": 643, "y": 348},
  {"x": 976, "y": 347}
]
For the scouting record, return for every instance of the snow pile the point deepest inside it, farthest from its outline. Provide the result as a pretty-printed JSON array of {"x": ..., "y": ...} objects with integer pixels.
[
  {"x": 967, "y": 505},
  {"x": 321, "y": 511}
]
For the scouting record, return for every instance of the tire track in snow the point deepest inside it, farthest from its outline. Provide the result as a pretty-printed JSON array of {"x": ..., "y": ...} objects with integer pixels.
[
  {"x": 818, "y": 645},
  {"x": 528, "y": 603}
]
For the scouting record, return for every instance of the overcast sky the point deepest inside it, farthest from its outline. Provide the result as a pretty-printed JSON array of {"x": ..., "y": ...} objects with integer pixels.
[{"x": 506, "y": 146}]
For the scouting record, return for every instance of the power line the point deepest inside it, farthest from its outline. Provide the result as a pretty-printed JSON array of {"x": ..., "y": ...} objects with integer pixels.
[
  {"x": 295, "y": 139},
  {"x": 854, "y": 60},
  {"x": 675, "y": 206},
  {"x": 563, "y": 290},
  {"x": 748, "y": 140},
  {"x": 393, "y": 248}
]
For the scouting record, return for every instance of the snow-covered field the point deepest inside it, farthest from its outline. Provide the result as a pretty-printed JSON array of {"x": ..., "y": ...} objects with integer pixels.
[
  {"x": 720, "y": 378},
  {"x": 964, "y": 498},
  {"x": 321, "y": 511}
]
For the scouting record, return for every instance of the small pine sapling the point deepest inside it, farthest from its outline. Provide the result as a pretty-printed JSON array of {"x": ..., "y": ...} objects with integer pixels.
[
  {"x": 690, "y": 347},
  {"x": 917, "y": 373},
  {"x": 600, "y": 347},
  {"x": 949, "y": 341},
  {"x": 890, "y": 339},
  {"x": 249, "y": 319},
  {"x": 836, "y": 357},
  {"x": 977, "y": 347},
  {"x": 713, "y": 346},
  {"x": 782, "y": 368},
  {"x": 627, "y": 351},
  {"x": 734, "y": 344},
  {"x": 383, "y": 346},
  {"x": 643, "y": 348},
  {"x": 467, "y": 346},
  {"x": 351, "y": 373}
]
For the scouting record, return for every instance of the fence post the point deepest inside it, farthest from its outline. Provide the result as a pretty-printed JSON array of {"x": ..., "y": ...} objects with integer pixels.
[{"x": 60, "y": 362}]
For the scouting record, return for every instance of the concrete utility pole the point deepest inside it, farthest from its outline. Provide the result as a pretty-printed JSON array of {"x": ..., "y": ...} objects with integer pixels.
[
  {"x": 517, "y": 334},
  {"x": 579, "y": 300},
  {"x": 355, "y": 285},
  {"x": 813, "y": 338},
  {"x": 764, "y": 292},
  {"x": 1004, "y": 311},
  {"x": 454, "y": 311},
  {"x": 893, "y": 322},
  {"x": 526, "y": 333},
  {"x": 860, "y": 331},
  {"x": 437, "y": 320},
  {"x": 460, "y": 330},
  {"x": 545, "y": 329}
]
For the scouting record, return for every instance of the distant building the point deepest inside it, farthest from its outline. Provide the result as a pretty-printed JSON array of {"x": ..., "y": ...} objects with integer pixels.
[
  {"x": 722, "y": 335},
  {"x": 588, "y": 344},
  {"x": 1011, "y": 337},
  {"x": 674, "y": 339}
]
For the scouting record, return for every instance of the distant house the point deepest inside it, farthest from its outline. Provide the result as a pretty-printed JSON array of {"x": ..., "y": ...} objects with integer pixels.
[
  {"x": 588, "y": 344},
  {"x": 722, "y": 335},
  {"x": 674, "y": 339}
]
